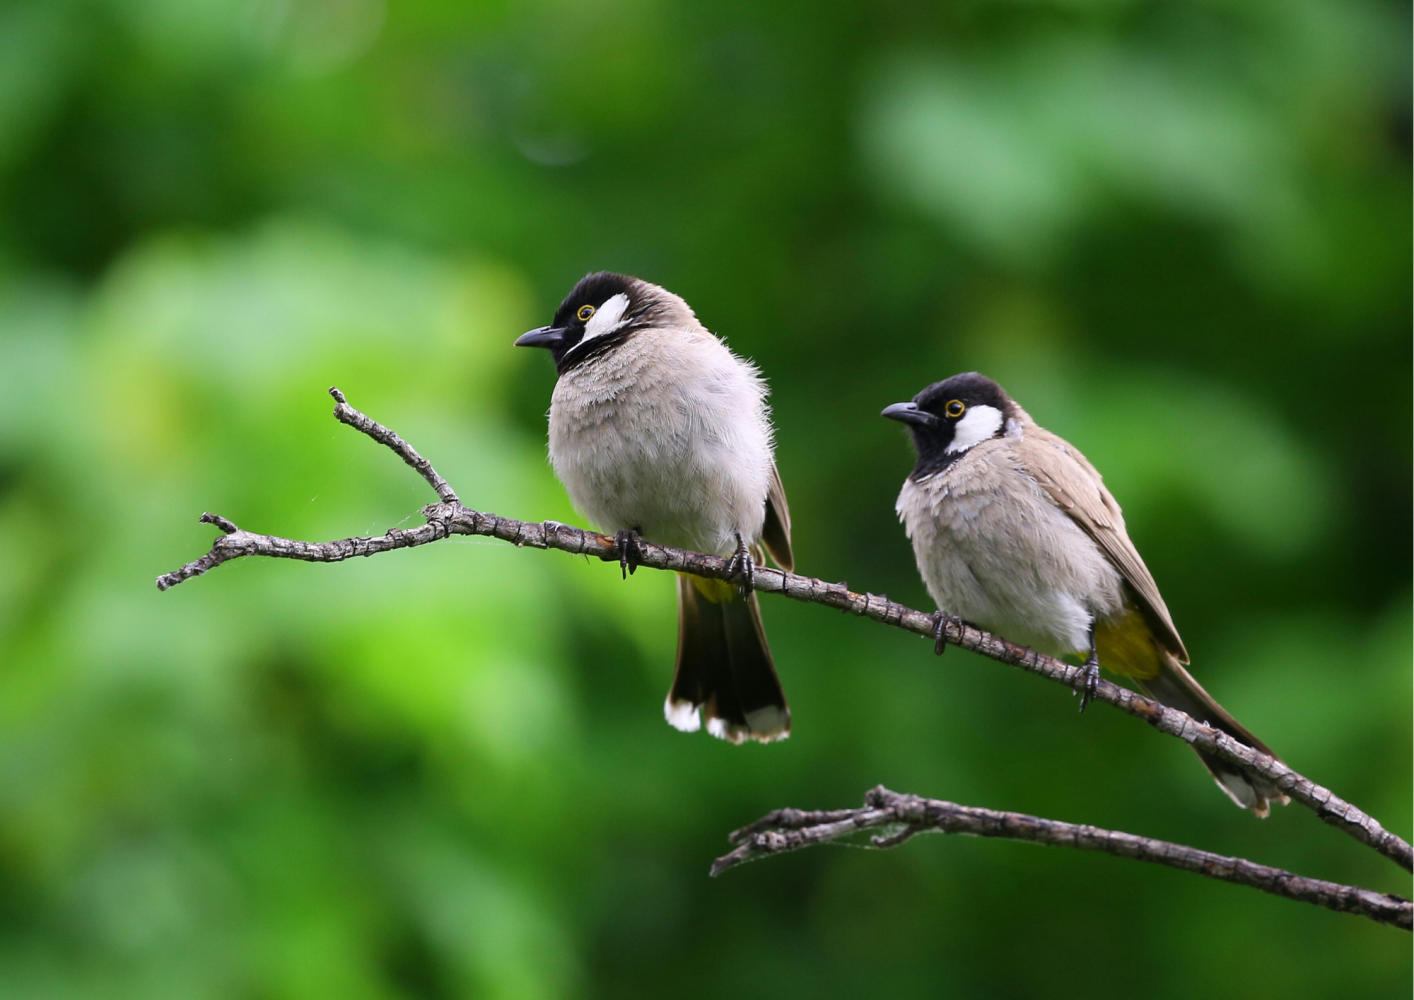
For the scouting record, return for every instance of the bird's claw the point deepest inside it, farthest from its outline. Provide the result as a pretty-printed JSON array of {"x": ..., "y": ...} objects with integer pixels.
[
  {"x": 630, "y": 555},
  {"x": 742, "y": 568},
  {"x": 940, "y": 634},
  {"x": 1091, "y": 670}
]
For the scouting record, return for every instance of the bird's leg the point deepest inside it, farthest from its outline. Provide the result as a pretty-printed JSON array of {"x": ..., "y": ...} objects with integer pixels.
[
  {"x": 1092, "y": 673},
  {"x": 742, "y": 567},
  {"x": 630, "y": 555},
  {"x": 940, "y": 622}
]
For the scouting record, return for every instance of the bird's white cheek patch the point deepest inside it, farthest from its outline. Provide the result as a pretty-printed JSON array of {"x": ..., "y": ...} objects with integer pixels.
[
  {"x": 607, "y": 318},
  {"x": 977, "y": 425}
]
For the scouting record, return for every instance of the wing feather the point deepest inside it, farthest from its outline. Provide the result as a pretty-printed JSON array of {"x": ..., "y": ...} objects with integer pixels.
[
  {"x": 1076, "y": 487},
  {"x": 775, "y": 535}
]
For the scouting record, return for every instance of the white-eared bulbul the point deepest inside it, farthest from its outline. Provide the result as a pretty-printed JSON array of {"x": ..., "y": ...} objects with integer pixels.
[
  {"x": 658, "y": 431},
  {"x": 1015, "y": 532}
]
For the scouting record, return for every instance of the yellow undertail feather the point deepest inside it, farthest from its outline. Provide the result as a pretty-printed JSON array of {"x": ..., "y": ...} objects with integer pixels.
[
  {"x": 1126, "y": 646},
  {"x": 716, "y": 591}
]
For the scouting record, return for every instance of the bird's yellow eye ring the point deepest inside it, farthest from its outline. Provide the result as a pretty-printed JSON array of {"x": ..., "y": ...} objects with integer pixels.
[
  {"x": 584, "y": 313},
  {"x": 955, "y": 408}
]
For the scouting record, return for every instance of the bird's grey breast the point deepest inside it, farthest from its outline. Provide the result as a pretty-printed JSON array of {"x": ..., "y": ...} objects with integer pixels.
[
  {"x": 994, "y": 548},
  {"x": 666, "y": 433}
]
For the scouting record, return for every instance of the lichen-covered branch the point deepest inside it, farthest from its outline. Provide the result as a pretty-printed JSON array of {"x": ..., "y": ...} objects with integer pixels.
[
  {"x": 449, "y": 517},
  {"x": 904, "y": 816}
]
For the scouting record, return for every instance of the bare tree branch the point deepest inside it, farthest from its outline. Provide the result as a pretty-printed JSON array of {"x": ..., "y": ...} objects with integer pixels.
[
  {"x": 449, "y": 517},
  {"x": 346, "y": 414},
  {"x": 908, "y": 815}
]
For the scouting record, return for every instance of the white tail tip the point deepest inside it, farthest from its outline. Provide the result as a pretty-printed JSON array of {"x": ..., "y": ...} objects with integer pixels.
[{"x": 682, "y": 715}]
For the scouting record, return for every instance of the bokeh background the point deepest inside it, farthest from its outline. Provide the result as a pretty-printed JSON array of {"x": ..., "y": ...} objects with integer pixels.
[{"x": 1176, "y": 230}]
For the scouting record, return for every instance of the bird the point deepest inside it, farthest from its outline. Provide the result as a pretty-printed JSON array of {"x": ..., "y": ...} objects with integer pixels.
[
  {"x": 659, "y": 432},
  {"x": 1014, "y": 531}
]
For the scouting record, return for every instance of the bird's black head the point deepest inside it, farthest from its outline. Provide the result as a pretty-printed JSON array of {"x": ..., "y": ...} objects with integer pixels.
[
  {"x": 600, "y": 311},
  {"x": 951, "y": 417}
]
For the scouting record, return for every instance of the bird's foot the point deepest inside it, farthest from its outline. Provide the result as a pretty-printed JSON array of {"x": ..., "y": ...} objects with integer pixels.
[
  {"x": 940, "y": 635},
  {"x": 742, "y": 567},
  {"x": 1092, "y": 679},
  {"x": 630, "y": 555}
]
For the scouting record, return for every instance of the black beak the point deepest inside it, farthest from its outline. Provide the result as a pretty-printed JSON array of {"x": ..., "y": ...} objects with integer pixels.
[
  {"x": 909, "y": 413},
  {"x": 546, "y": 336}
]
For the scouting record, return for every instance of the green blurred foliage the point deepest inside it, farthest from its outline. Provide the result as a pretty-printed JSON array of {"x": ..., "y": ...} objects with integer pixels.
[{"x": 1177, "y": 230}]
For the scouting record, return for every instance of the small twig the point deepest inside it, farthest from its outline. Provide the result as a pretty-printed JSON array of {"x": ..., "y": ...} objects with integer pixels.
[
  {"x": 346, "y": 414},
  {"x": 451, "y": 518},
  {"x": 791, "y": 829}
]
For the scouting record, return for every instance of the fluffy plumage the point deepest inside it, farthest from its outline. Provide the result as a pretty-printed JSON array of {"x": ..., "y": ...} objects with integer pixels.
[
  {"x": 666, "y": 434},
  {"x": 994, "y": 547}
]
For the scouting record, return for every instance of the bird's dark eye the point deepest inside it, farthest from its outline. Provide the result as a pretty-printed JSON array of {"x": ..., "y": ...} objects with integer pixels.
[
  {"x": 955, "y": 408},
  {"x": 584, "y": 313}
]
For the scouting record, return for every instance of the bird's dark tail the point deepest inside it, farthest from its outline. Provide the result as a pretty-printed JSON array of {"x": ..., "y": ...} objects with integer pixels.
[
  {"x": 1176, "y": 688},
  {"x": 724, "y": 667}
]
